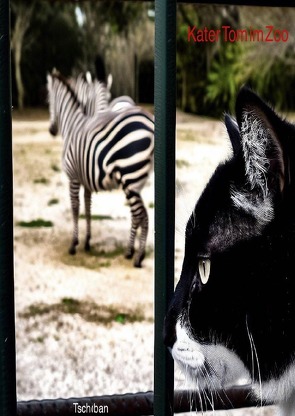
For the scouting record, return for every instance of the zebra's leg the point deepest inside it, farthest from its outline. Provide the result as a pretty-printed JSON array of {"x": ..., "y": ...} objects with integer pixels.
[
  {"x": 144, "y": 226},
  {"x": 139, "y": 219},
  {"x": 87, "y": 200},
  {"x": 75, "y": 203}
]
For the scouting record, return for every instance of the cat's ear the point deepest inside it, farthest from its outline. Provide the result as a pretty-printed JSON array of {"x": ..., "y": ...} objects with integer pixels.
[{"x": 262, "y": 133}]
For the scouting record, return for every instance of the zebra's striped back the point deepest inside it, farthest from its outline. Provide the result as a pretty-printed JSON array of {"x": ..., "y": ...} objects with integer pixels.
[
  {"x": 121, "y": 153},
  {"x": 107, "y": 150}
]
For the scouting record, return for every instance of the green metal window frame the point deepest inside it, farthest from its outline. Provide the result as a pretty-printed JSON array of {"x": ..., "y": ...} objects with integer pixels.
[{"x": 7, "y": 325}]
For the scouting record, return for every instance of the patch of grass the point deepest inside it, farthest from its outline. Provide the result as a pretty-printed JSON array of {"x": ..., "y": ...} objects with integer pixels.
[
  {"x": 95, "y": 259},
  {"x": 38, "y": 223},
  {"x": 43, "y": 181},
  {"x": 36, "y": 309},
  {"x": 182, "y": 163},
  {"x": 89, "y": 311},
  {"x": 151, "y": 205},
  {"x": 53, "y": 201},
  {"x": 121, "y": 318},
  {"x": 97, "y": 217},
  {"x": 105, "y": 264},
  {"x": 70, "y": 305},
  {"x": 39, "y": 340},
  {"x": 118, "y": 250},
  {"x": 55, "y": 167}
]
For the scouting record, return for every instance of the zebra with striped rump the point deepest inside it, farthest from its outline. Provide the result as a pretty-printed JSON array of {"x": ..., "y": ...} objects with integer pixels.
[{"x": 101, "y": 153}]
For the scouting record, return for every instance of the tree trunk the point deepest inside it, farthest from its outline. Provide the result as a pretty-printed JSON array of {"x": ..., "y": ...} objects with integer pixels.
[
  {"x": 18, "y": 76},
  {"x": 23, "y": 17}
]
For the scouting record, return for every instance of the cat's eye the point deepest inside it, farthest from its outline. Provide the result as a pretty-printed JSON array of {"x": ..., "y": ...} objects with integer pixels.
[{"x": 204, "y": 270}]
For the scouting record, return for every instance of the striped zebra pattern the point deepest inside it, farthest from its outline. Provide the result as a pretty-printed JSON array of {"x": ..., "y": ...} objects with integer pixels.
[
  {"x": 103, "y": 152},
  {"x": 94, "y": 95}
]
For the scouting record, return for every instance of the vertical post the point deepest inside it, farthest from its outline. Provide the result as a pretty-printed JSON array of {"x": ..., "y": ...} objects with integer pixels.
[
  {"x": 7, "y": 328},
  {"x": 165, "y": 108}
]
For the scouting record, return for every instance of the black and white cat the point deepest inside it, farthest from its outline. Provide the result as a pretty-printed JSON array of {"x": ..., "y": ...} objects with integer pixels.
[{"x": 232, "y": 317}]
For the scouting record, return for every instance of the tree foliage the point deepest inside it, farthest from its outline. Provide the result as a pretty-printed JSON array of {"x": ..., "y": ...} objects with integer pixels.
[
  {"x": 209, "y": 74},
  {"x": 50, "y": 38},
  {"x": 195, "y": 61},
  {"x": 223, "y": 78},
  {"x": 70, "y": 35}
]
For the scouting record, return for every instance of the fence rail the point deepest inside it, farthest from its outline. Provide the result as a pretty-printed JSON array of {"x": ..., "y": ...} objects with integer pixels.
[{"x": 138, "y": 404}]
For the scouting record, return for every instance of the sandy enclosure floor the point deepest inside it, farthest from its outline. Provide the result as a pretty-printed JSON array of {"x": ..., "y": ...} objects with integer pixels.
[{"x": 84, "y": 323}]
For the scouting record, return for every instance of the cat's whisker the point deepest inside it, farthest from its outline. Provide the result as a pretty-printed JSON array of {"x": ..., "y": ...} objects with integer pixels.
[
  {"x": 217, "y": 390},
  {"x": 199, "y": 391},
  {"x": 193, "y": 400},
  {"x": 210, "y": 400},
  {"x": 206, "y": 399},
  {"x": 259, "y": 374},
  {"x": 252, "y": 350},
  {"x": 254, "y": 354},
  {"x": 211, "y": 388},
  {"x": 190, "y": 399}
]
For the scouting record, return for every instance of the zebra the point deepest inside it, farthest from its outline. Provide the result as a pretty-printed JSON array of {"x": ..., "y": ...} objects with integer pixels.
[{"x": 102, "y": 153}]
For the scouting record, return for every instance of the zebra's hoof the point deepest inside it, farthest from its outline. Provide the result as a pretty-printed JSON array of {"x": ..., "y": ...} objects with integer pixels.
[
  {"x": 72, "y": 250},
  {"x": 87, "y": 247},
  {"x": 129, "y": 253},
  {"x": 138, "y": 261}
]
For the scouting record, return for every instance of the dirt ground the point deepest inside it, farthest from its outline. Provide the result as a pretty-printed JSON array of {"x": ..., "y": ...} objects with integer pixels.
[{"x": 84, "y": 323}]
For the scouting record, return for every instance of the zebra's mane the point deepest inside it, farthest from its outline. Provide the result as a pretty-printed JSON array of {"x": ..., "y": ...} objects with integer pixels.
[{"x": 65, "y": 82}]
